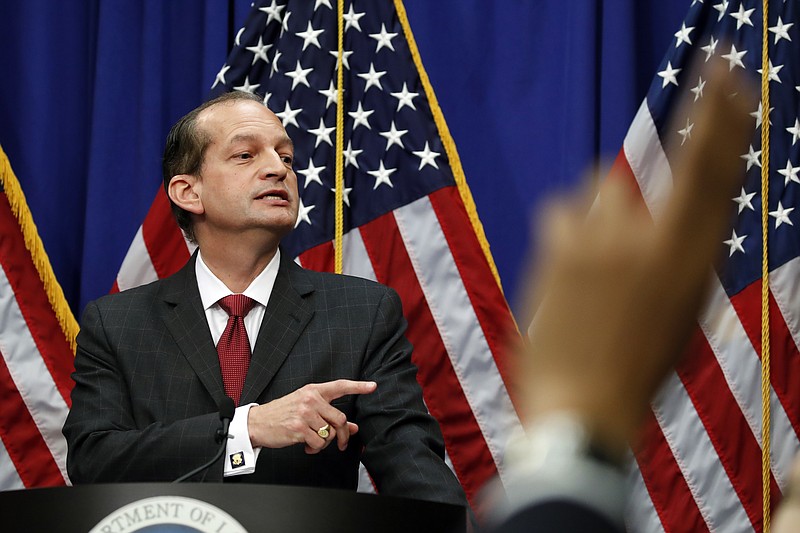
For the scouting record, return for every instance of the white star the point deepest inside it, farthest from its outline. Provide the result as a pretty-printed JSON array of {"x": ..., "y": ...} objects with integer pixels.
[
  {"x": 781, "y": 30},
  {"x": 273, "y": 11},
  {"x": 323, "y": 3},
  {"x": 323, "y": 133},
  {"x": 285, "y": 23},
  {"x": 259, "y": 51},
  {"x": 274, "y": 68},
  {"x": 345, "y": 195},
  {"x": 742, "y": 17},
  {"x": 247, "y": 87},
  {"x": 752, "y": 157},
  {"x": 360, "y": 117},
  {"x": 288, "y": 116},
  {"x": 237, "y": 40},
  {"x": 330, "y": 94},
  {"x": 310, "y": 36},
  {"x": 311, "y": 174},
  {"x": 350, "y": 155},
  {"x": 721, "y": 7},
  {"x": 382, "y": 176},
  {"x": 795, "y": 131},
  {"x": 267, "y": 96},
  {"x": 711, "y": 48},
  {"x": 302, "y": 214},
  {"x": 345, "y": 55},
  {"x": 427, "y": 157},
  {"x": 772, "y": 72},
  {"x": 758, "y": 115},
  {"x": 781, "y": 215},
  {"x": 745, "y": 200},
  {"x": 393, "y": 136},
  {"x": 695, "y": 1},
  {"x": 735, "y": 243},
  {"x": 669, "y": 74},
  {"x": 790, "y": 173},
  {"x": 682, "y": 35},
  {"x": 384, "y": 38},
  {"x": 351, "y": 19},
  {"x": 686, "y": 133},
  {"x": 373, "y": 78},
  {"x": 299, "y": 75},
  {"x": 734, "y": 58},
  {"x": 697, "y": 90},
  {"x": 405, "y": 97},
  {"x": 220, "y": 78}
]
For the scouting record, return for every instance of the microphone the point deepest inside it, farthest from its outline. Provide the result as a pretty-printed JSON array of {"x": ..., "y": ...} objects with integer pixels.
[{"x": 226, "y": 410}]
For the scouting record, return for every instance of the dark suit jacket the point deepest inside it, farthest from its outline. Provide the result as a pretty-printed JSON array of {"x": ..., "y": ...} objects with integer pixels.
[
  {"x": 148, "y": 382},
  {"x": 556, "y": 516}
]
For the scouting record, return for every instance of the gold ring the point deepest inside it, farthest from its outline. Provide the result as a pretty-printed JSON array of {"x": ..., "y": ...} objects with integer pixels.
[{"x": 323, "y": 431}]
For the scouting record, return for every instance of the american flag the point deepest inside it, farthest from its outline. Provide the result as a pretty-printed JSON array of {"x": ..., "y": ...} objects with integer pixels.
[
  {"x": 699, "y": 468},
  {"x": 409, "y": 220},
  {"x": 36, "y": 350}
]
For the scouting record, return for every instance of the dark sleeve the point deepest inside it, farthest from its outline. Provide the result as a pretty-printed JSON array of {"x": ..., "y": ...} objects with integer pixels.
[
  {"x": 110, "y": 437},
  {"x": 556, "y": 516},
  {"x": 404, "y": 448}
]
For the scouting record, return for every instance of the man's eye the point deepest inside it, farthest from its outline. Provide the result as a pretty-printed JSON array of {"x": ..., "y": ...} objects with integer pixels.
[
  {"x": 287, "y": 159},
  {"x": 245, "y": 155}
]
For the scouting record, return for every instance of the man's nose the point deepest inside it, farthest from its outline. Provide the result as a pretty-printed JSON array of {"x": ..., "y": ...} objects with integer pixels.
[{"x": 273, "y": 167}]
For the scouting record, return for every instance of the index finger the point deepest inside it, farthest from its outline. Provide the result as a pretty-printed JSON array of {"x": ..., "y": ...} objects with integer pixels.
[
  {"x": 331, "y": 390},
  {"x": 709, "y": 171}
]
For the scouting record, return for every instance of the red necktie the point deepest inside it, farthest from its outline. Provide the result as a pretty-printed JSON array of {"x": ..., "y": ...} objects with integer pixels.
[{"x": 233, "y": 346}]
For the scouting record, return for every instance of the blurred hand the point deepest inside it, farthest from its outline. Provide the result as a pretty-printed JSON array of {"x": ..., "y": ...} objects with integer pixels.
[
  {"x": 618, "y": 294},
  {"x": 787, "y": 518}
]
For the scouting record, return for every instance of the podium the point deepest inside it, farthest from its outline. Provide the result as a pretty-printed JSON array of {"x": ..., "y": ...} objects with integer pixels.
[{"x": 257, "y": 508}]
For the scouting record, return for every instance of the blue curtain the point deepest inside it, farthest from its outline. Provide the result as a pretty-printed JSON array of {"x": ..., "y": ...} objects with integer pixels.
[{"x": 534, "y": 91}]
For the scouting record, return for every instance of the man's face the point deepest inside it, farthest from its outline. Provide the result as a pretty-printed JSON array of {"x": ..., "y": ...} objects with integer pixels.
[{"x": 247, "y": 181}]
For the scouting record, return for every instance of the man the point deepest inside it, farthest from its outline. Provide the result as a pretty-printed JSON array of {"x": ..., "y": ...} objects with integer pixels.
[{"x": 329, "y": 360}]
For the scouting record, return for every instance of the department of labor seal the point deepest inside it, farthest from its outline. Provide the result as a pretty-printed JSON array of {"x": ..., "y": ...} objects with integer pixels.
[{"x": 161, "y": 514}]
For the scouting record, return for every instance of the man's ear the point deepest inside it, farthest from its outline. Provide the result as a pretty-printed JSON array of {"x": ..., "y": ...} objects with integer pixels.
[{"x": 183, "y": 190}]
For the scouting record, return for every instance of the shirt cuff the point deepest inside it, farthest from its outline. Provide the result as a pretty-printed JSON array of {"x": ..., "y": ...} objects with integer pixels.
[
  {"x": 240, "y": 456},
  {"x": 554, "y": 461}
]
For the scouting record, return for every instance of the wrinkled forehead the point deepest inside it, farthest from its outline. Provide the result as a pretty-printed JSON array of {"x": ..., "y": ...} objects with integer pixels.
[{"x": 227, "y": 119}]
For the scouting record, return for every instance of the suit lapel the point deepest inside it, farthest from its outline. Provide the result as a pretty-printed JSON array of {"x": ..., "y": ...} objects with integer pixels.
[
  {"x": 286, "y": 316},
  {"x": 185, "y": 319}
]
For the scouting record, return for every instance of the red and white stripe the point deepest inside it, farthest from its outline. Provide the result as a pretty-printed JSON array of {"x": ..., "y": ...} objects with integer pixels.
[
  {"x": 700, "y": 465},
  {"x": 35, "y": 365},
  {"x": 458, "y": 318}
]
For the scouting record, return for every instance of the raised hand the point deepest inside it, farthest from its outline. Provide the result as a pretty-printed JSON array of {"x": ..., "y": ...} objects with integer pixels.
[{"x": 617, "y": 292}]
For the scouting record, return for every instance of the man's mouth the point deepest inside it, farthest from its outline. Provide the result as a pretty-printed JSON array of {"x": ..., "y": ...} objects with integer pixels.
[{"x": 273, "y": 195}]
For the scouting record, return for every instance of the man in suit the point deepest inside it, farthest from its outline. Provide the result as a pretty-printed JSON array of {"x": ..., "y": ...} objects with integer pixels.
[{"x": 329, "y": 364}]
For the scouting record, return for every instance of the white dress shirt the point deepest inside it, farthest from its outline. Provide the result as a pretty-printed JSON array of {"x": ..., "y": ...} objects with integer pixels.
[{"x": 211, "y": 291}]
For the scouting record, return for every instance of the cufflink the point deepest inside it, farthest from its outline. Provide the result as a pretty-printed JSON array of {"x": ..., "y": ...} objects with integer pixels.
[{"x": 236, "y": 459}]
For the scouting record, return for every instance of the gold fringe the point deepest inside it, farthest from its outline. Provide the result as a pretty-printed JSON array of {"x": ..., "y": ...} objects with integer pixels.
[
  {"x": 447, "y": 141},
  {"x": 19, "y": 206}
]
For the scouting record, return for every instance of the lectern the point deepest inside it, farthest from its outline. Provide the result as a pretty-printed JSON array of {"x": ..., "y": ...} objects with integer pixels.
[{"x": 223, "y": 508}]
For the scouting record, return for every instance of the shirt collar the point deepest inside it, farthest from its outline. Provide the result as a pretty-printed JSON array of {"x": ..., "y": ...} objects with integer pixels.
[{"x": 212, "y": 289}]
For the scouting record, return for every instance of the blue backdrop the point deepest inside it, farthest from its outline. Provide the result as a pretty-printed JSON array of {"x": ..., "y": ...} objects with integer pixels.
[{"x": 533, "y": 91}]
